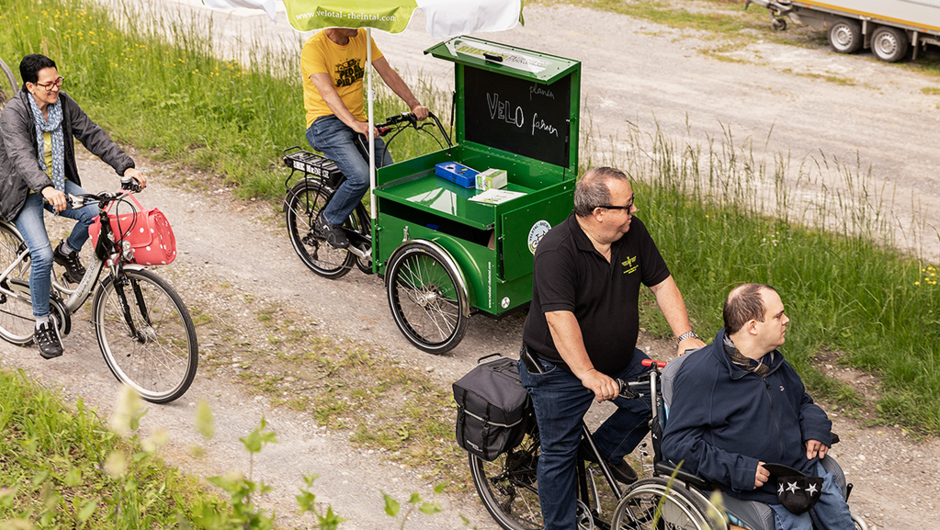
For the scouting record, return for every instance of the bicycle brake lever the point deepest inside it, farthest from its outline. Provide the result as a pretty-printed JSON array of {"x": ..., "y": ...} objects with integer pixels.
[
  {"x": 130, "y": 184},
  {"x": 625, "y": 391}
]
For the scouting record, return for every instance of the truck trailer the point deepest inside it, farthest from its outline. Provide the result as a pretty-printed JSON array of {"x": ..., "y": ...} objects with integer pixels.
[{"x": 887, "y": 27}]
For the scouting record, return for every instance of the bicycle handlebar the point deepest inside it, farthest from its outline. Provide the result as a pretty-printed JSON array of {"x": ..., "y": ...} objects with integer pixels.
[
  {"x": 399, "y": 118},
  {"x": 632, "y": 390}
]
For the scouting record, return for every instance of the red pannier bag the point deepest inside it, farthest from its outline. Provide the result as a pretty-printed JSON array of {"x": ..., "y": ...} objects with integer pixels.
[{"x": 148, "y": 232}]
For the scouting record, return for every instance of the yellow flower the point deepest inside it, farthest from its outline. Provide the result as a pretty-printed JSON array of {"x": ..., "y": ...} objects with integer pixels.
[{"x": 916, "y": 283}]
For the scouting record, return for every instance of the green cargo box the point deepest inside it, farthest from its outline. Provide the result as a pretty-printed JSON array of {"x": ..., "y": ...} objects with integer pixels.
[{"x": 516, "y": 110}]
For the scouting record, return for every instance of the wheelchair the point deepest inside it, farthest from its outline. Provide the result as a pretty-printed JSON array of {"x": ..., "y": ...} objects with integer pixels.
[{"x": 735, "y": 513}]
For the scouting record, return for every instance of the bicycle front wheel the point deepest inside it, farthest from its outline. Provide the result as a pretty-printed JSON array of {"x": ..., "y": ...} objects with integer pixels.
[
  {"x": 152, "y": 347},
  {"x": 507, "y": 486},
  {"x": 8, "y": 86}
]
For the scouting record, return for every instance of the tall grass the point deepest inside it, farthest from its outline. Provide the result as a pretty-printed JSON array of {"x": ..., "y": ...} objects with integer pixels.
[
  {"x": 62, "y": 468},
  {"x": 723, "y": 216}
]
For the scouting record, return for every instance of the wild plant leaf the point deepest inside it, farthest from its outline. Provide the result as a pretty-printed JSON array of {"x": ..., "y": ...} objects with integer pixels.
[{"x": 391, "y": 505}]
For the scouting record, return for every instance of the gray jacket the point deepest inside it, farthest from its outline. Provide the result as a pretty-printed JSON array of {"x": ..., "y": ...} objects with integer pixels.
[{"x": 19, "y": 153}]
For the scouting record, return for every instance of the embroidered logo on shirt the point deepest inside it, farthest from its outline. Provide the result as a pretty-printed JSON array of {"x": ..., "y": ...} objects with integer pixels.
[
  {"x": 349, "y": 72},
  {"x": 630, "y": 265}
]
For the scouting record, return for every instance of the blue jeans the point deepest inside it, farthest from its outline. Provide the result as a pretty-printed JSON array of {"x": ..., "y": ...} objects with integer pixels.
[
  {"x": 831, "y": 512},
  {"x": 342, "y": 145},
  {"x": 560, "y": 403},
  {"x": 32, "y": 227}
]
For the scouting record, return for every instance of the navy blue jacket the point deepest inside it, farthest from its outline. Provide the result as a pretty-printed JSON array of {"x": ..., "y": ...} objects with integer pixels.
[{"x": 724, "y": 419}]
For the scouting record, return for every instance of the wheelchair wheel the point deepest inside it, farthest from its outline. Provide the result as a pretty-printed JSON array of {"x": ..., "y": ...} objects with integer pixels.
[
  {"x": 675, "y": 506},
  {"x": 507, "y": 486}
]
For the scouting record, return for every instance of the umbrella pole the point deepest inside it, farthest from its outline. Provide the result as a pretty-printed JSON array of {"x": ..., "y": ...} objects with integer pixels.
[{"x": 371, "y": 96}]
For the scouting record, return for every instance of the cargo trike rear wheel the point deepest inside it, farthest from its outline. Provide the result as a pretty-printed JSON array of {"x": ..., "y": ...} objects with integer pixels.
[{"x": 427, "y": 296}]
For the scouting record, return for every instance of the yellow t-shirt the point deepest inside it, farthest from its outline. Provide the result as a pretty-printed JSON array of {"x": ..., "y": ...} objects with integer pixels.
[
  {"x": 344, "y": 65},
  {"x": 47, "y": 151}
]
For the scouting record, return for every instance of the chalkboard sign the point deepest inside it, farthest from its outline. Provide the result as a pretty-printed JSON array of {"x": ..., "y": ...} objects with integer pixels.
[{"x": 519, "y": 116}]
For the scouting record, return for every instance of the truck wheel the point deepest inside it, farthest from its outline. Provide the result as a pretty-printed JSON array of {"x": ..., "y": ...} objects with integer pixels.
[
  {"x": 845, "y": 36},
  {"x": 889, "y": 44}
]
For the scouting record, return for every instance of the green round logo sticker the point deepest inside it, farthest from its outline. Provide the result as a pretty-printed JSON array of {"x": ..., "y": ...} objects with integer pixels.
[{"x": 536, "y": 233}]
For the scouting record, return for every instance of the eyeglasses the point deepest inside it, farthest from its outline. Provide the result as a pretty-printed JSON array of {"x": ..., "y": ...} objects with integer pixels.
[
  {"x": 628, "y": 207},
  {"x": 52, "y": 84}
]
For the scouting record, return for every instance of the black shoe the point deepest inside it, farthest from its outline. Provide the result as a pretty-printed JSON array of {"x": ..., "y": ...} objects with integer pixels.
[
  {"x": 334, "y": 235},
  {"x": 621, "y": 470},
  {"x": 73, "y": 267},
  {"x": 47, "y": 336}
]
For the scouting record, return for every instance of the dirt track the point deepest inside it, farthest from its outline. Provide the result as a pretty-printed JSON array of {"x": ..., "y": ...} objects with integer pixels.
[{"x": 657, "y": 74}]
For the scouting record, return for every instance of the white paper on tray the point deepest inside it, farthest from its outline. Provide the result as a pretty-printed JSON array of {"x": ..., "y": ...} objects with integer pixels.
[{"x": 496, "y": 196}]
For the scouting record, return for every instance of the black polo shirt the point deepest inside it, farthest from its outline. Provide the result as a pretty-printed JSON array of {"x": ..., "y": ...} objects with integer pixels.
[{"x": 569, "y": 274}]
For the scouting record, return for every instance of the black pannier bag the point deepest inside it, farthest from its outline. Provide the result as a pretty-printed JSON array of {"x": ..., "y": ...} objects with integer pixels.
[{"x": 493, "y": 409}]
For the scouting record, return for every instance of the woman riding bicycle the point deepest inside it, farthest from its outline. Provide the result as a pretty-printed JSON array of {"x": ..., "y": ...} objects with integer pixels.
[
  {"x": 37, "y": 169},
  {"x": 333, "y": 65}
]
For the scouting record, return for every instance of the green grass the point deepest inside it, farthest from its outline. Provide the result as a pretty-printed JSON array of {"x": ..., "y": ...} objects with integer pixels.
[
  {"x": 62, "y": 468},
  {"x": 876, "y": 308}
]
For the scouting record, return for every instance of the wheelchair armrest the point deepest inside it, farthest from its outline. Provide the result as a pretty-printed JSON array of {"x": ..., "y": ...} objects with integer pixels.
[{"x": 667, "y": 468}]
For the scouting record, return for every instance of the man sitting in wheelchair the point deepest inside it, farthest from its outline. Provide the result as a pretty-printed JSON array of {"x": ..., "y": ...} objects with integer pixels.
[{"x": 738, "y": 408}]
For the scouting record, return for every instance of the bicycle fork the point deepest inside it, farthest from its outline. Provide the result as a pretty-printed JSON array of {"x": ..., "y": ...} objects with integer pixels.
[{"x": 121, "y": 280}]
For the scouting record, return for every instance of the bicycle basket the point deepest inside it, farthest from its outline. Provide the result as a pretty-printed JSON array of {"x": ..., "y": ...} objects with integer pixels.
[{"x": 148, "y": 232}]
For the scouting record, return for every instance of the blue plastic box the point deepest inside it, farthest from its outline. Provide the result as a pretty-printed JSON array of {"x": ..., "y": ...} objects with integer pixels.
[{"x": 457, "y": 173}]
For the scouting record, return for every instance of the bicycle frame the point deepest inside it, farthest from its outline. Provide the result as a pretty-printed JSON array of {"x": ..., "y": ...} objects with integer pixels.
[
  {"x": 79, "y": 295},
  {"x": 629, "y": 390}
]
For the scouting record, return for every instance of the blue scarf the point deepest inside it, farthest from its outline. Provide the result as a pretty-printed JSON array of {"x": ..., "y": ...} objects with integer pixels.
[{"x": 54, "y": 126}]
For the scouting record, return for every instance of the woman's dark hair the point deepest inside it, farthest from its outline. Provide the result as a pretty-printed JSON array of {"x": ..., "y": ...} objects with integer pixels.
[
  {"x": 744, "y": 303},
  {"x": 31, "y": 65}
]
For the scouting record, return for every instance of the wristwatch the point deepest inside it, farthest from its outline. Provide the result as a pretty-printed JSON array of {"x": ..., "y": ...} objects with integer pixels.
[{"x": 686, "y": 335}]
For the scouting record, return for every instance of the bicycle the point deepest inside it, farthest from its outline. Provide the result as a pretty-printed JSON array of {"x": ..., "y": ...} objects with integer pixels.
[
  {"x": 671, "y": 498},
  {"x": 8, "y": 86},
  {"x": 145, "y": 333},
  {"x": 306, "y": 199},
  {"x": 509, "y": 491}
]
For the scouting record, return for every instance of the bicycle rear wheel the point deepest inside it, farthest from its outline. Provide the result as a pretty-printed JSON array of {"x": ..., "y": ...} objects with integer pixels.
[
  {"x": 8, "y": 86},
  {"x": 507, "y": 486},
  {"x": 304, "y": 203},
  {"x": 16, "y": 312},
  {"x": 17, "y": 323},
  {"x": 158, "y": 355}
]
